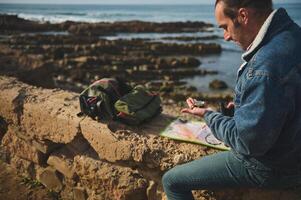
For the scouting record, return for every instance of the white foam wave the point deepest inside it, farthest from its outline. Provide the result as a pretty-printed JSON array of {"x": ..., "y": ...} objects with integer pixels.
[{"x": 79, "y": 17}]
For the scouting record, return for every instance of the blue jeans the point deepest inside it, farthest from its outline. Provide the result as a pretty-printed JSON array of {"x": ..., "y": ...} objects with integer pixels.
[{"x": 220, "y": 171}]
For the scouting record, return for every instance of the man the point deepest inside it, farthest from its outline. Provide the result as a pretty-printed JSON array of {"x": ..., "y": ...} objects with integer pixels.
[{"x": 265, "y": 132}]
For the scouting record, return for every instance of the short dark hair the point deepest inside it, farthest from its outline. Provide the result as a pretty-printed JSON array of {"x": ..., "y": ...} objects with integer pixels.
[{"x": 231, "y": 6}]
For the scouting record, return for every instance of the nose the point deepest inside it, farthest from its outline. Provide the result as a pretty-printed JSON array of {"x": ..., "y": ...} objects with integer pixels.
[{"x": 227, "y": 36}]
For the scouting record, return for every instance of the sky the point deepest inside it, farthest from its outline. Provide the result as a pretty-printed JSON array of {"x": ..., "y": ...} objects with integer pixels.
[{"x": 126, "y": 1}]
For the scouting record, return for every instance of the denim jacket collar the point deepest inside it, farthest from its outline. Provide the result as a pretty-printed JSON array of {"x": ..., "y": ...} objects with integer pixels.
[
  {"x": 260, "y": 36},
  {"x": 277, "y": 21}
]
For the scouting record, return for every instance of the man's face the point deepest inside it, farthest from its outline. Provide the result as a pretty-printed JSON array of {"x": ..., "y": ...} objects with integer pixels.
[{"x": 233, "y": 29}]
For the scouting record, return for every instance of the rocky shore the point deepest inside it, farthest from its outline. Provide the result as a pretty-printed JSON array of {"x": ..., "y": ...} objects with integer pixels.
[
  {"x": 75, "y": 60},
  {"x": 14, "y": 24}
]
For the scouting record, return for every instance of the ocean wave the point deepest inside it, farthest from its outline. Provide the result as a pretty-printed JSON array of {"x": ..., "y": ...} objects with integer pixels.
[
  {"x": 59, "y": 17},
  {"x": 113, "y": 15},
  {"x": 94, "y": 16},
  {"x": 42, "y": 18},
  {"x": 70, "y": 13}
]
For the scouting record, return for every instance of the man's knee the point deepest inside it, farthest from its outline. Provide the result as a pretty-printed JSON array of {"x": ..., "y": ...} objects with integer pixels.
[
  {"x": 169, "y": 180},
  {"x": 166, "y": 179}
]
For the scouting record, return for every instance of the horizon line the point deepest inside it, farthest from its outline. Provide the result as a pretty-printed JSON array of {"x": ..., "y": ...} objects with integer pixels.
[{"x": 30, "y": 3}]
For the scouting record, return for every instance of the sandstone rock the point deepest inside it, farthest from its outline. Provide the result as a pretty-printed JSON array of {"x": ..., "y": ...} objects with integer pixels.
[
  {"x": 41, "y": 116},
  {"x": 100, "y": 138},
  {"x": 20, "y": 148},
  {"x": 50, "y": 178},
  {"x": 10, "y": 90},
  {"x": 109, "y": 181},
  {"x": 46, "y": 146},
  {"x": 179, "y": 159},
  {"x": 23, "y": 167},
  {"x": 21, "y": 134},
  {"x": 151, "y": 191},
  {"x": 66, "y": 193},
  {"x": 78, "y": 145},
  {"x": 131, "y": 160},
  {"x": 57, "y": 124},
  {"x": 4, "y": 156},
  {"x": 3, "y": 128},
  {"x": 62, "y": 159},
  {"x": 63, "y": 163},
  {"x": 79, "y": 193}
]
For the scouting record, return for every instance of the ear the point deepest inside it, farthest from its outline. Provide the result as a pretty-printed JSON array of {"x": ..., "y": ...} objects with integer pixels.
[{"x": 243, "y": 16}]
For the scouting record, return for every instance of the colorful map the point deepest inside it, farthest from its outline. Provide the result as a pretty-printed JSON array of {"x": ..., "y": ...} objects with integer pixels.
[{"x": 193, "y": 131}]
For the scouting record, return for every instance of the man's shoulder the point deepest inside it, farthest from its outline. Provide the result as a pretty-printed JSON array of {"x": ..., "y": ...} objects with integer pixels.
[
  {"x": 281, "y": 53},
  {"x": 284, "y": 44}
]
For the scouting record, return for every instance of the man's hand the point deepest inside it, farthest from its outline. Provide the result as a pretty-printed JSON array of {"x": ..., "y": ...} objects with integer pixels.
[
  {"x": 227, "y": 109},
  {"x": 230, "y": 105},
  {"x": 192, "y": 109}
]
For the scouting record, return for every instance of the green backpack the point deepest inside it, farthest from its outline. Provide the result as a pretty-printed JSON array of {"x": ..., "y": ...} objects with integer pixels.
[
  {"x": 138, "y": 106},
  {"x": 112, "y": 99}
]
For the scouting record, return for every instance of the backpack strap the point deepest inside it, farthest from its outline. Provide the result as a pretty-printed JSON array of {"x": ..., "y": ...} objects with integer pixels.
[{"x": 83, "y": 105}]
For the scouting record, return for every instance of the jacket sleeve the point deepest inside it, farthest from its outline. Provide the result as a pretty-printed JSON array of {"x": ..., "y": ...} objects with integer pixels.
[{"x": 257, "y": 121}]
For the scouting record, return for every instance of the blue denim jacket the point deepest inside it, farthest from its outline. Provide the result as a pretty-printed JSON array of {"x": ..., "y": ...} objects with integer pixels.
[{"x": 266, "y": 127}]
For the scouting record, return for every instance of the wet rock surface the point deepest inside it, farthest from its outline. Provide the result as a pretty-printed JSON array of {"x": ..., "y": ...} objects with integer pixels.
[
  {"x": 72, "y": 62},
  {"x": 14, "y": 24},
  {"x": 12, "y": 186},
  {"x": 75, "y": 60},
  {"x": 218, "y": 85},
  {"x": 187, "y": 38},
  {"x": 137, "y": 27}
]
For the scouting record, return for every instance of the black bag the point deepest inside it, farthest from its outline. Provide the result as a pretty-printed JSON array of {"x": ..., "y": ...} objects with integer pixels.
[{"x": 97, "y": 101}]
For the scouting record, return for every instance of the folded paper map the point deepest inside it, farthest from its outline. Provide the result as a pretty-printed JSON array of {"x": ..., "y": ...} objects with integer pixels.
[{"x": 193, "y": 131}]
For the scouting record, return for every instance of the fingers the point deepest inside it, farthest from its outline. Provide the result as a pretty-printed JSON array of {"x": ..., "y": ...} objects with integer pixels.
[
  {"x": 230, "y": 105},
  {"x": 186, "y": 110},
  {"x": 190, "y": 102},
  {"x": 195, "y": 111}
]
